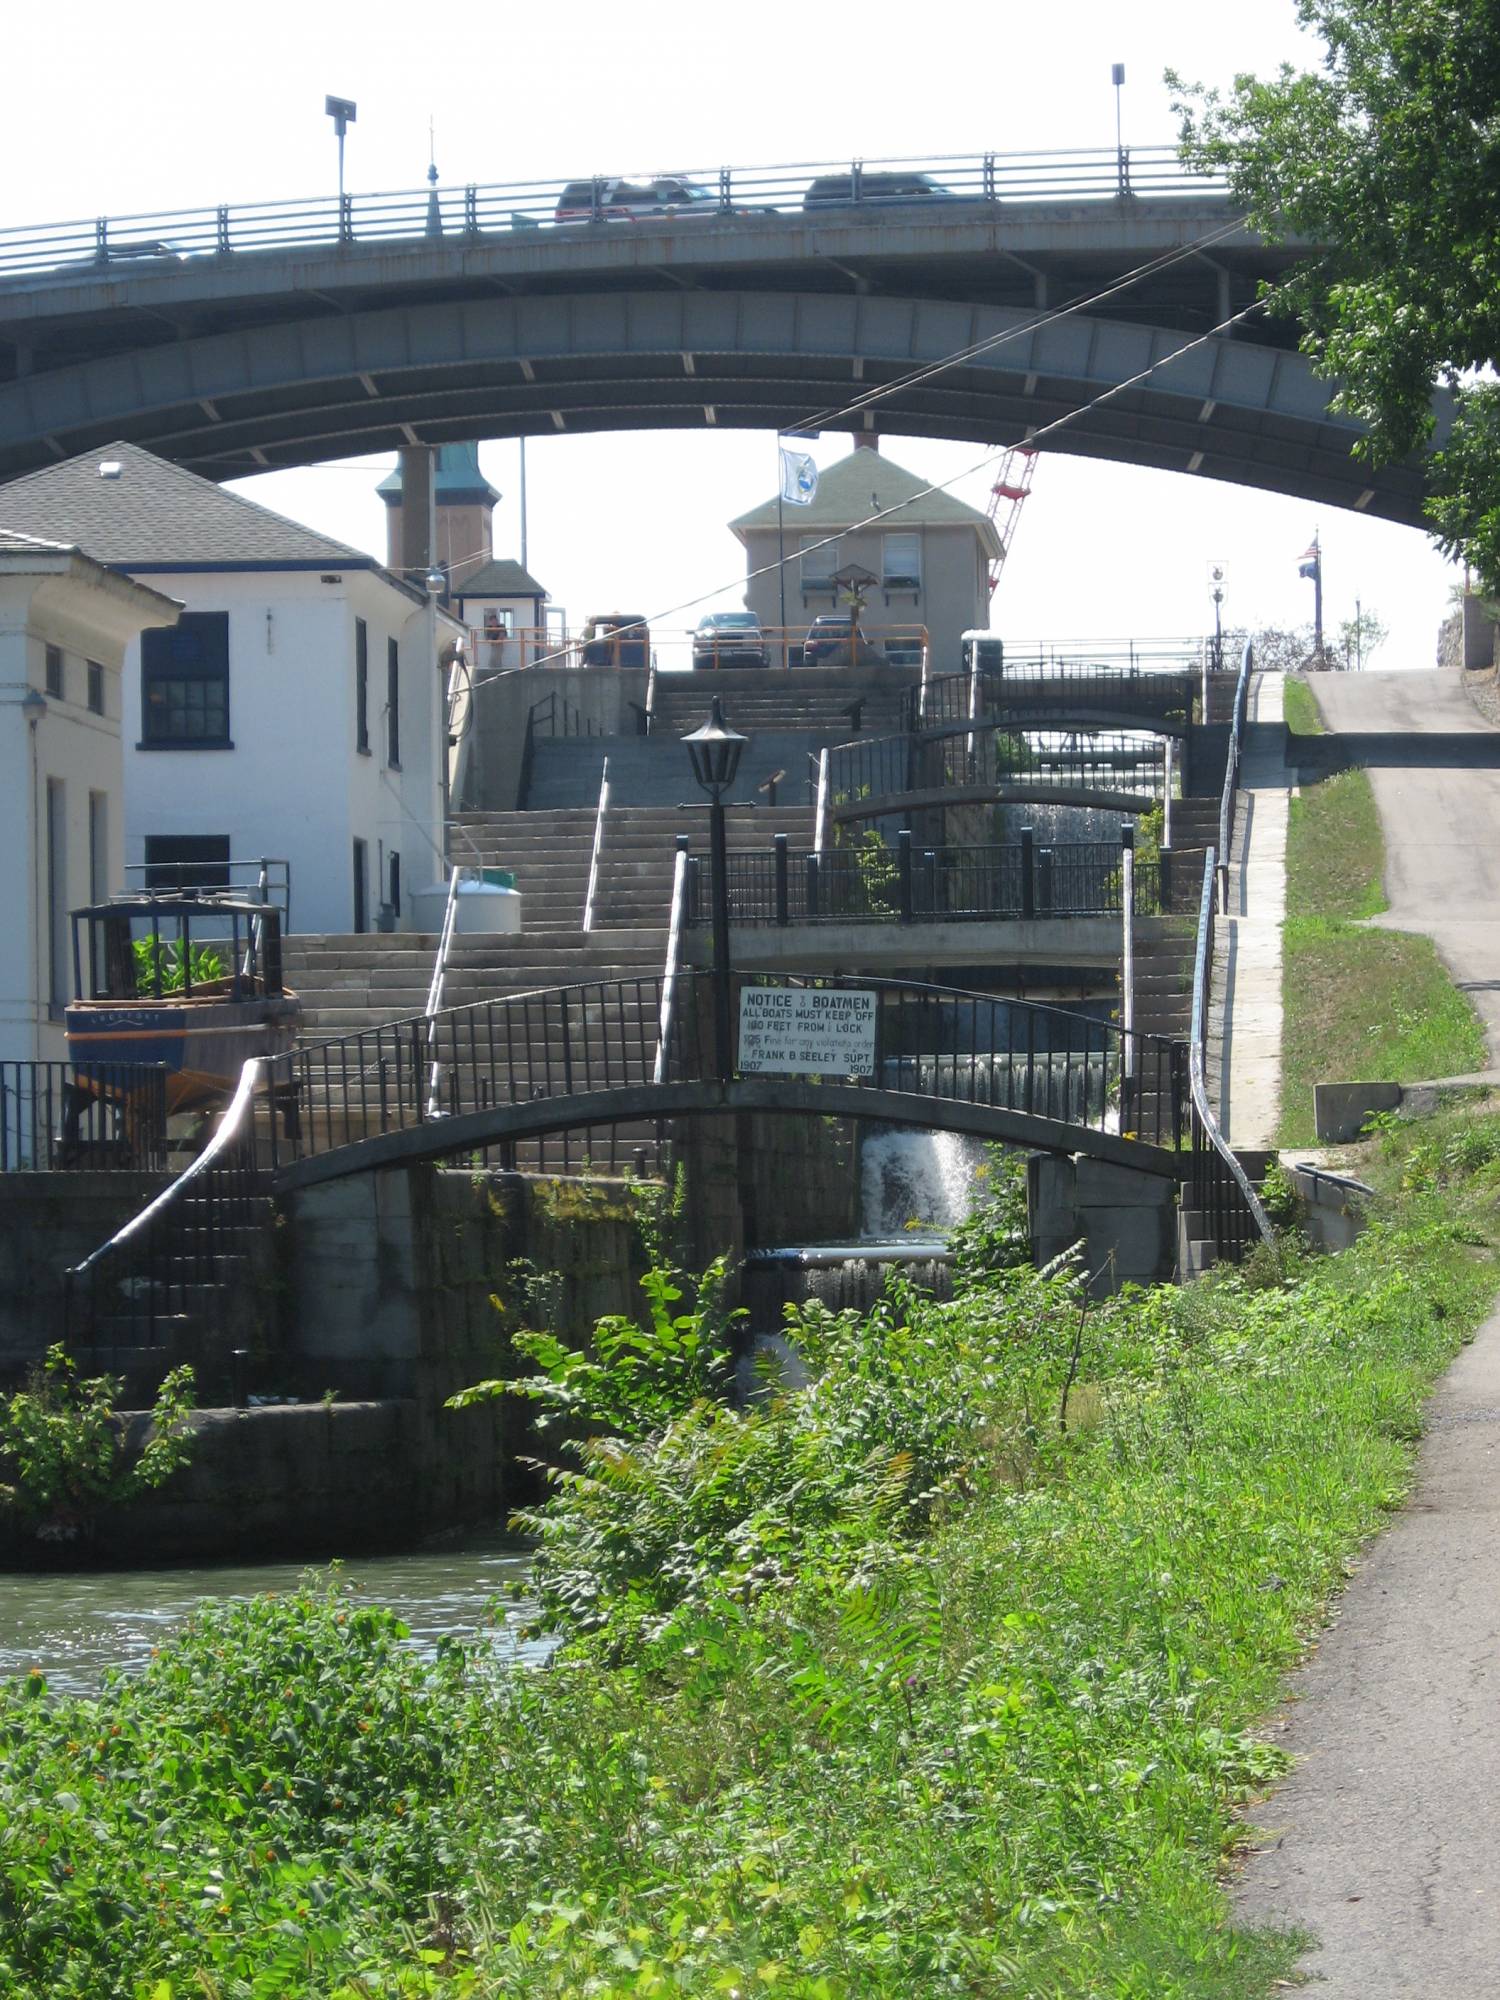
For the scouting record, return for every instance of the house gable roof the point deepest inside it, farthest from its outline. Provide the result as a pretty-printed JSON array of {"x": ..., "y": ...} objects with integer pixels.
[
  {"x": 158, "y": 516},
  {"x": 865, "y": 483},
  {"x": 499, "y": 578}
]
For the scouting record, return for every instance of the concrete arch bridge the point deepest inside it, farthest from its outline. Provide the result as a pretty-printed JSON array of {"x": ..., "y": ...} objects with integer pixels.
[{"x": 232, "y": 340}]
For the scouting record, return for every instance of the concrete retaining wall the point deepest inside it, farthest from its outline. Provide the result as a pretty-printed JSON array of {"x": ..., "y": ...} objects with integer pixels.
[
  {"x": 601, "y": 696},
  {"x": 1125, "y": 1220},
  {"x": 47, "y": 1222}
]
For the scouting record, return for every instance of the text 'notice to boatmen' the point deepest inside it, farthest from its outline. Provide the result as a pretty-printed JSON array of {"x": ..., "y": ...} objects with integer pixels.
[{"x": 789, "y": 1031}]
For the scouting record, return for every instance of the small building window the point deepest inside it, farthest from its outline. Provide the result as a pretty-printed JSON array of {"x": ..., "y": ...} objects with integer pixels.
[
  {"x": 185, "y": 683},
  {"x": 187, "y": 860},
  {"x": 98, "y": 846},
  {"x": 393, "y": 704},
  {"x": 96, "y": 688},
  {"x": 901, "y": 562},
  {"x": 817, "y": 562},
  {"x": 362, "y": 687},
  {"x": 57, "y": 896},
  {"x": 55, "y": 672}
]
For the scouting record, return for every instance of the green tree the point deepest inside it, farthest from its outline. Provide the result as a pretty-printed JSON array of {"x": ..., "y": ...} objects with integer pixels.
[{"x": 1388, "y": 157}]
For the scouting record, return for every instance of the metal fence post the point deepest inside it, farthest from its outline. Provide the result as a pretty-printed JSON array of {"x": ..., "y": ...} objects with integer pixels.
[
  {"x": 1044, "y": 881},
  {"x": 778, "y": 848},
  {"x": 812, "y": 885},
  {"x": 1028, "y": 872},
  {"x": 903, "y": 875}
]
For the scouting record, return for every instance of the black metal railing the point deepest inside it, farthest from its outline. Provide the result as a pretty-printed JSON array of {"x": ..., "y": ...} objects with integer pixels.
[
  {"x": 1026, "y": 687},
  {"x": 187, "y": 1257},
  {"x": 868, "y": 771},
  {"x": 571, "y": 1042},
  {"x": 909, "y": 883},
  {"x": 62, "y": 1117},
  {"x": 551, "y": 716},
  {"x": 1219, "y": 1189},
  {"x": 166, "y": 236}
]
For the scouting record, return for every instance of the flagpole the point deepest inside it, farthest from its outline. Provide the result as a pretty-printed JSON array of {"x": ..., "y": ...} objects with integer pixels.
[
  {"x": 1317, "y": 599},
  {"x": 786, "y": 655}
]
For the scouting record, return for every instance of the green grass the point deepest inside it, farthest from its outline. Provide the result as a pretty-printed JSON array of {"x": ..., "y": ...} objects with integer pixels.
[
  {"x": 1300, "y": 706},
  {"x": 943, "y": 1678},
  {"x": 1358, "y": 1005}
]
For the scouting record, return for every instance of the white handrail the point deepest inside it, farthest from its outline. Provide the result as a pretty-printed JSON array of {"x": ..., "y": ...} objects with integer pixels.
[
  {"x": 435, "y": 994},
  {"x": 820, "y": 815},
  {"x": 598, "y": 848},
  {"x": 227, "y": 1131},
  {"x": 668, "y": 1010}
]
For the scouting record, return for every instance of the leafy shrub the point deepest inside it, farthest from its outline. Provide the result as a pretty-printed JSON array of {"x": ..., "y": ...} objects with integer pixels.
[
  {"x": 62, "y": 1442},
  {"x": 162, "y": 964}
]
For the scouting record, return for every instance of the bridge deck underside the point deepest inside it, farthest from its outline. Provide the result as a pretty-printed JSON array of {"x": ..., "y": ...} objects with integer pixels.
[{"x": 416, "y": 345}]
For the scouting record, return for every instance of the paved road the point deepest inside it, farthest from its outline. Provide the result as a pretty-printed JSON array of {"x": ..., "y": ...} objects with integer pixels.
[
  {"x": 1383, "y": 1842},
  {"x": 1439, "y": 797}
]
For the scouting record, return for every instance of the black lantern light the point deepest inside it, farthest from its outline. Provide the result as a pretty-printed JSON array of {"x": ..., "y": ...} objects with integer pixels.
[{"x": 715, "y": 750}]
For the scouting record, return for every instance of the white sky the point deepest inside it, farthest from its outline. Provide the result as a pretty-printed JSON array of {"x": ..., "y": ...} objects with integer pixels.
[{"x": 174, "y": 106}]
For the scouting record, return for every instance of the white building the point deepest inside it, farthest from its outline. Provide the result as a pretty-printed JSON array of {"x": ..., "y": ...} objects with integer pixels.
[
  {"x": 295, "y": 712},
  {"x": 65, "y": 624}
]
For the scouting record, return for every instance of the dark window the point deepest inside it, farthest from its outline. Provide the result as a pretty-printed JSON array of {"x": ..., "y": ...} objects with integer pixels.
[
  {"x": 392, "y": 703},
  {"x": 361, "y": 689},
  {"x": 57, "y": 895},
  {"x": 96, "y": 688},
  {"x": 187, "y": 860},
  {"x": 55, "y": 672},
  {"x": 185, "y": 681},
  {"x": 361, "y": 888},
  {"x": 394, "y": 898},
  {"x": 98, "y": 846}
]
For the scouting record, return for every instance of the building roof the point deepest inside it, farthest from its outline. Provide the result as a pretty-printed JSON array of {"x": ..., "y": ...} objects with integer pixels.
[
  {"x": 865, "y": 483},
  {"x": 13, "y": 542},
  {"x": 457, "y": 480},
  {"x": 499, "y": 578},
  {"x": 157, "y": 516}
]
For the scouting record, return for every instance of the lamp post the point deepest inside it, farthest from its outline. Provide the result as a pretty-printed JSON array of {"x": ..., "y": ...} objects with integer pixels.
[
  {"x": 715, "y": 750},
  {"x": 343, "y": 111},
  {"x": 1216, "y": 577}
]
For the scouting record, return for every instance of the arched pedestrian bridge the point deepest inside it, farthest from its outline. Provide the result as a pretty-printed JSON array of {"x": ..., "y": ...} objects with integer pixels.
[
  {"x": 490, "y": 1075},
  {"x": 233, "y": 339}
]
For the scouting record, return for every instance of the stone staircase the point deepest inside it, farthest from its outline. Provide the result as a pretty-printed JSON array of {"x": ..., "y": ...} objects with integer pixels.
[
  {"x": 821, "y": 703},
  {"x": 639, "y": 853}
]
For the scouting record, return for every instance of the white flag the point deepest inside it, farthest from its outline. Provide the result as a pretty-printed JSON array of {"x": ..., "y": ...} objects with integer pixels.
[{"x": 799, "y": 478}]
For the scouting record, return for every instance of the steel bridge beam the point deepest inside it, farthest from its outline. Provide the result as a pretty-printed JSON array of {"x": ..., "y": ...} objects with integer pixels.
[{"x": 293, "y": 392}]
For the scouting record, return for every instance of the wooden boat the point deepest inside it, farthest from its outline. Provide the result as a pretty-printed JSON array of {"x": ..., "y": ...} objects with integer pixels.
[{"x": 188, "y": 981}]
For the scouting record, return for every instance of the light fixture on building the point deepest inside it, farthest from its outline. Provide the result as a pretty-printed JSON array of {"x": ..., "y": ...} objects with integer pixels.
[{"x": 33, "y": 705}]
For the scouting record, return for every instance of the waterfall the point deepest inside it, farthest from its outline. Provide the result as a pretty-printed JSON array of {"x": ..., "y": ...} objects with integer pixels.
[
  {"x": 909, "y": 1176},
  {"x": 1057, "y": 826}
]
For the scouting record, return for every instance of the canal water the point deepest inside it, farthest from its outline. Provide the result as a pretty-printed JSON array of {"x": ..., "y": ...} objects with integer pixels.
[{"x": 74, "y": 1627}]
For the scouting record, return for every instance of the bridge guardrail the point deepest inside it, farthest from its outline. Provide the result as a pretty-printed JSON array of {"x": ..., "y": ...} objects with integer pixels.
[
  {"x": 908, "y": 884},
  {"x": 991, "y": 755},
  {"x": 819, "y": 189},
  {"x": 949, "y": 700}
]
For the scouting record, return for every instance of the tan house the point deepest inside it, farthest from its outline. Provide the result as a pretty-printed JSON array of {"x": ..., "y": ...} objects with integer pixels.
[{"x": 928, "y": 560}]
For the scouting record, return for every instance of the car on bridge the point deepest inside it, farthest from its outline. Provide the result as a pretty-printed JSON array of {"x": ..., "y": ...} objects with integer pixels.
[
  {"x": 839, "y": 190},
  {"x": 729, "y": 639},
  {"x": 631, "y": 201}
]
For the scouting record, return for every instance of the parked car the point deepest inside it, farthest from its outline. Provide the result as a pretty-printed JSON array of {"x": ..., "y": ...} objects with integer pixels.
[
  {"x": 833, "y": 190},
  {"x": 630, "y": 201},
  {"x": 730, "y": 639},
  {"x": 616, "y": 639},
  {"x": 828, "y": 639}
]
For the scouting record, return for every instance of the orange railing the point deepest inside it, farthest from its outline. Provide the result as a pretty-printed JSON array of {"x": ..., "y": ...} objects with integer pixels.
[{"x": 776, "y": 648}]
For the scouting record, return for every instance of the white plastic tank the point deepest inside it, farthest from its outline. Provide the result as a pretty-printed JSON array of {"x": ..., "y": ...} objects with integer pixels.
[{"x": 489, "y": 905}]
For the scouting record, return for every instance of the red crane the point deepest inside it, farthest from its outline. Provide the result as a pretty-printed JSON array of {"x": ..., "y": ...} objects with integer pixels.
[{"x": 1009, "y": 493}]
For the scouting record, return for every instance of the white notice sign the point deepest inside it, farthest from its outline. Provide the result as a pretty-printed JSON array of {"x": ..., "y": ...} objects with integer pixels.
[{"x": 791, "y": 1031}]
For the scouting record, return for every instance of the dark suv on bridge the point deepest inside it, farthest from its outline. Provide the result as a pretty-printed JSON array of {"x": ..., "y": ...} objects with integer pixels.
[{"x": 838, "y": 190}]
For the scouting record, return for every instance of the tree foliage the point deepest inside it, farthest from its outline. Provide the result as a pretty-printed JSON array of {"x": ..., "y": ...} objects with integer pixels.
[{"x": 1388, "y": 158}]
